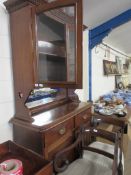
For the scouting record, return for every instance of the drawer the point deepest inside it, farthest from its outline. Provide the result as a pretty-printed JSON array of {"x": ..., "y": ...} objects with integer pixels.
[
  {"x": 49, "y": 152},
  {"x": 83, "y": 118},
  {"x": 58, "y": 135}
]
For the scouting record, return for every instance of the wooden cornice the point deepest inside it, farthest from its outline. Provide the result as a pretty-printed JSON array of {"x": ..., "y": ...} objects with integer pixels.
[{"x": 13, "y": 5}]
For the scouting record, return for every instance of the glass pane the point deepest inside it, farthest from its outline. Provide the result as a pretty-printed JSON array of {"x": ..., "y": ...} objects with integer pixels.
[
  {"x": 71, "y": 52},
  {"x": 52, "y": 68},
  {"x": 56, "y": 43}
]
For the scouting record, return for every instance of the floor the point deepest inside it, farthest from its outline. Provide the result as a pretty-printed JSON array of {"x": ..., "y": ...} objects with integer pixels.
[{"x": 127, "y": 145}]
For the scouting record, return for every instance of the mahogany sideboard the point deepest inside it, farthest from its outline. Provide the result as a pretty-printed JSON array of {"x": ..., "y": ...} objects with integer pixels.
[{"x": 46, "y": 38}]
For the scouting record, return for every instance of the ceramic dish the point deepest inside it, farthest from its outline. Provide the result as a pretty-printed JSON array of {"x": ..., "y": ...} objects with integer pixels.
[
  {"x": 121, "y": 114},
  {"x": 106, "y": 111}
]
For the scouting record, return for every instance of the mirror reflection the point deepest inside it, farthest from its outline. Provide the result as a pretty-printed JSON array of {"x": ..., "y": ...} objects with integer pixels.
[
  {"x": 56, "y": 45},
  {"x": 41, "y": 96}
]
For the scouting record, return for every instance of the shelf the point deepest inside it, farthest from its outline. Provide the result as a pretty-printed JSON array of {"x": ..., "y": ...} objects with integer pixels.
[{"x": 48, "y": 48}]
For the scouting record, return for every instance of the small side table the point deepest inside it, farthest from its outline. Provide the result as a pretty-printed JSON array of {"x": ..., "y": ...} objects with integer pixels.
[{"x": 33, "y": 163}]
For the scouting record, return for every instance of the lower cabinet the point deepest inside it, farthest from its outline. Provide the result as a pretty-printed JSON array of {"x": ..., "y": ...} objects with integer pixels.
[{"x": 48, "y": 141}]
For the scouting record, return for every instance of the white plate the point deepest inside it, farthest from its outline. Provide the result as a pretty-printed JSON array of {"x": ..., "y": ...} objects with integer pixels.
[{"x": 106, "y": 112}]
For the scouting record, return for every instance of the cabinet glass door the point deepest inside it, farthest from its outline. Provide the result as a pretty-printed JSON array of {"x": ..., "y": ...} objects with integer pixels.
[{"x": 56, "y": 45}]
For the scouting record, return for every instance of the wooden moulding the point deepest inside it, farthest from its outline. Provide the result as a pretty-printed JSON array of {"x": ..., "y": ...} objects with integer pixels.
[
  {"x": 13, "y": 5},
  {"x": 33, "y": 164}
]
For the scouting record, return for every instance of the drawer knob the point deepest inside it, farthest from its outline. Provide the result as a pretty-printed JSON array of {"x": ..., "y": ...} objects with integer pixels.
[
  {"x": 62, "y": 131},
  {"x": 84, "y": 117}
]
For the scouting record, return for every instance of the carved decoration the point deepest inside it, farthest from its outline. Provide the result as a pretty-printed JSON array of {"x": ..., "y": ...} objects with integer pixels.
[{"x": 73, "y": 96}]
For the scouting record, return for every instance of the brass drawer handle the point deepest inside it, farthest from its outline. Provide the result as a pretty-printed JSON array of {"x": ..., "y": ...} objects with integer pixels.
[
  {"x": 85, "y": 117},
  {"x": 62, "y": 131}
]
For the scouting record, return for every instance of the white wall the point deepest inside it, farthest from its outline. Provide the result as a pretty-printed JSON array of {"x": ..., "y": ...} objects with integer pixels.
[
  {"x": 6, "y": 88},
  {"x": 102, "y": 84},
  {"x": 130, "y": 74},
  {"x": 83, "y": 93}
]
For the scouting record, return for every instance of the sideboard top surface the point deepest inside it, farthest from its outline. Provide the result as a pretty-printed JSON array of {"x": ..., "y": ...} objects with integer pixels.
[{"x": 55, "y": 116}]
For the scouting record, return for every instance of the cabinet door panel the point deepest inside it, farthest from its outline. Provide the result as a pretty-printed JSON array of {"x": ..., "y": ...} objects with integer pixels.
[{"x": 22, "y": 60}]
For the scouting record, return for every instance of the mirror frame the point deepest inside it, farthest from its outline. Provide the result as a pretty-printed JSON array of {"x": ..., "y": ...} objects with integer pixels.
[{"x": 78, "y": 47}]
